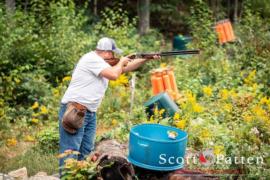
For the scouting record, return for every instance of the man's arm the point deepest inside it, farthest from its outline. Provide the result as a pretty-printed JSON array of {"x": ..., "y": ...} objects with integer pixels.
[
  {"x": 136, "y": 63},
  {"x": 112, "y": 73},
  {"x": 133, "y": 65}
]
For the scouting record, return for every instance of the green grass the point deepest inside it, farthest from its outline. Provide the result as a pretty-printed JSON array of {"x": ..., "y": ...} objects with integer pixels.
[{"x": 34, "y": 160}]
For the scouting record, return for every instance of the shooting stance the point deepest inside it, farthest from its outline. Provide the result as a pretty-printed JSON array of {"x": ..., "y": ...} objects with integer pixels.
[{"x": 77, "y": 115}]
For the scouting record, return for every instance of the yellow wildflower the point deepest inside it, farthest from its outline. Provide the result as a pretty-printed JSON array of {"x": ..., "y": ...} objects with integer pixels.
[
  {"x": 227, "y": 107},
  {"x": 265, "y": 100},
  {"x": 151, "y": 119},
  {"x": 207, "y": 90},
  {"x": 163, "y": 65},
  {"x": 161, "y": 111},
  {"x": 114, "y": 122},
  {"x": 35, "y": 105},
  {"x": 122, "y": 80},
  {"x": 250, "y": 78},
  {"x": 218, "y": 149},
  {"x": 44, "y": 110},
  {"x": 56, "y": 93},
  {"x": 257, "y": 110},
  {"x": 247, "y": 117},
  {"x": 180, "y": 124},
  {"x": 205, "y": 134},
  {"x": 197, "y": 108},
  {"x": 69, "y": 163},
  {"x": 156, "y": 111},
  {"x": 254, "y": 87},
  {"x": 190, "y": 97},
  {"x": 12, "y": 142},
  {"x": 67, "y": 78},
  {"x": 34, "y": 120},
  {"x": 176, "y": 116},
  {"x": 29, "y": 138},
  {"x": 232, "y": 93},
  {"x": 224, "y": 94}
]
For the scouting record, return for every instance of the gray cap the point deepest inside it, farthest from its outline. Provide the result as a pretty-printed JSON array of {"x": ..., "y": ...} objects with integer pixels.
[{"x": 108, "y": 44}]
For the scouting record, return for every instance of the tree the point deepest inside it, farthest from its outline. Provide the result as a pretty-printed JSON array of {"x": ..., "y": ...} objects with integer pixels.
[
  {"x": 10, "y": 4},
  {"x": 144, "y": 16}
]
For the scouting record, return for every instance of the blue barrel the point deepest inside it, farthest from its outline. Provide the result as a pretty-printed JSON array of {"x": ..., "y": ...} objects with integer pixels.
[{"x": 150, "y": 147}]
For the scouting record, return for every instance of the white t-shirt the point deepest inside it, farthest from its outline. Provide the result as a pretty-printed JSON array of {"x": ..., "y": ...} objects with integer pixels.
[{"x": 86, "y": 86}]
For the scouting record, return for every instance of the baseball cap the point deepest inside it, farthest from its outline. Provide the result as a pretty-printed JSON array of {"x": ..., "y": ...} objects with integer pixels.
[{"x": 108, "y": 44}]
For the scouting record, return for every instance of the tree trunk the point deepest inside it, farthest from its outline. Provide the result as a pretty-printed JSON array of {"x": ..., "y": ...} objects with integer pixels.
[
  {"x": 95, "y": 7},
  {"x": 228, "y": 8},
  {"x": 144, "y": 16},
  {"x": 10, "y": 4},
  {"x": 235, "y": 14},
  {"x": 25, "y": 6},
  {"x": 213, "y": 7}
]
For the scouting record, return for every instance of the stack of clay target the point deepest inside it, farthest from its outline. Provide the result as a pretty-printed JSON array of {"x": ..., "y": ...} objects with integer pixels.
[
  {"x": 225, "y": 31},
  {"x": 163, "y": 80}
]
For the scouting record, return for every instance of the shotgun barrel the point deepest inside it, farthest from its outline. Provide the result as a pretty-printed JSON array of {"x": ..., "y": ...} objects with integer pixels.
[{"x": 167, "y": 53}]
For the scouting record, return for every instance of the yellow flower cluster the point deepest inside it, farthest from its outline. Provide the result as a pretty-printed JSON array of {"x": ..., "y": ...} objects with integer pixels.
[
  {"x": 250, "y": 78},
  {"x": 224, "y": 94},
  {"x": 34, "y": 120},
  {"x": 29, "y": 138},
  {"x": 43, "y": 110},
  {"x": 157, "y": 116},
  {"x": 247, "y": 117},
  {"x": 11, "y": 142},
  {"x": 261, "y": 113},
  {"x": 56, "y": 93},
  {"x": 208, "y": 91},
  {"x": 227, "y": 107},
  {"x": 179, "y": 123},
  {"x": 122, "y": 80},
  {"x": 114, "y": 122},
  {"x": 205, "y": 134},
  {"x": 35, "y": 105},
  {"x": 218, "y": 149},
  {"x": 191, "y": 102},
  {"x": 66, "y": 78}
]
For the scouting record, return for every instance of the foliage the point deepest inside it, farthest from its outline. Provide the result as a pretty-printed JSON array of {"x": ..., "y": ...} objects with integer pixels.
[
  {"x": 74, "y": 169},
  {"x": 224, "y": 92},
  {"x": 201, "y": 22},
  {"x": 48, "y": 140}
]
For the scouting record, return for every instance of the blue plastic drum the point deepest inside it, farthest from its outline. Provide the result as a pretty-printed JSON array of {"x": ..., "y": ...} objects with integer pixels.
[{"x": 157, "y": 147}]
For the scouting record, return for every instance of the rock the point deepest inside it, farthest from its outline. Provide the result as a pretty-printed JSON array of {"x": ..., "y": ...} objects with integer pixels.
[
  {"x": 5, "y": 177},
  {"x": 19, "y": 174},
  {"x": 43, "y": 176}
]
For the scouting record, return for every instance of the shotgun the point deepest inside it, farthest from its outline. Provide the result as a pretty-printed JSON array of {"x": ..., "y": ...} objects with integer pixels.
[{"x": 114, "y": 61}]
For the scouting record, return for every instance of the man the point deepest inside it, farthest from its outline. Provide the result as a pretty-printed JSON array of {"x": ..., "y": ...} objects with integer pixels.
[{"x": 87, "y": 87}]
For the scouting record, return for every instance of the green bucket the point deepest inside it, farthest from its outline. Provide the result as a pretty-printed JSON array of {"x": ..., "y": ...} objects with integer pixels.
[{"x": 161, "y": 101}]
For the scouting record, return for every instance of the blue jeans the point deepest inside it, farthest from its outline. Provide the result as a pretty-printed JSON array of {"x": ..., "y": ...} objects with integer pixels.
[{"x": 84, "y": 139}]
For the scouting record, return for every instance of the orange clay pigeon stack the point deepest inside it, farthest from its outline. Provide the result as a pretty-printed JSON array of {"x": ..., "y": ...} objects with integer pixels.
[
  {"x": 163, "y": 80},
  {"x": 224, "y": 31}
]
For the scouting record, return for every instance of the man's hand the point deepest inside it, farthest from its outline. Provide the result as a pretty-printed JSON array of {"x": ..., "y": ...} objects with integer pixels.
[
  {"x": 156, "y": 57},
  {"x": 124, "y": 61}
]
